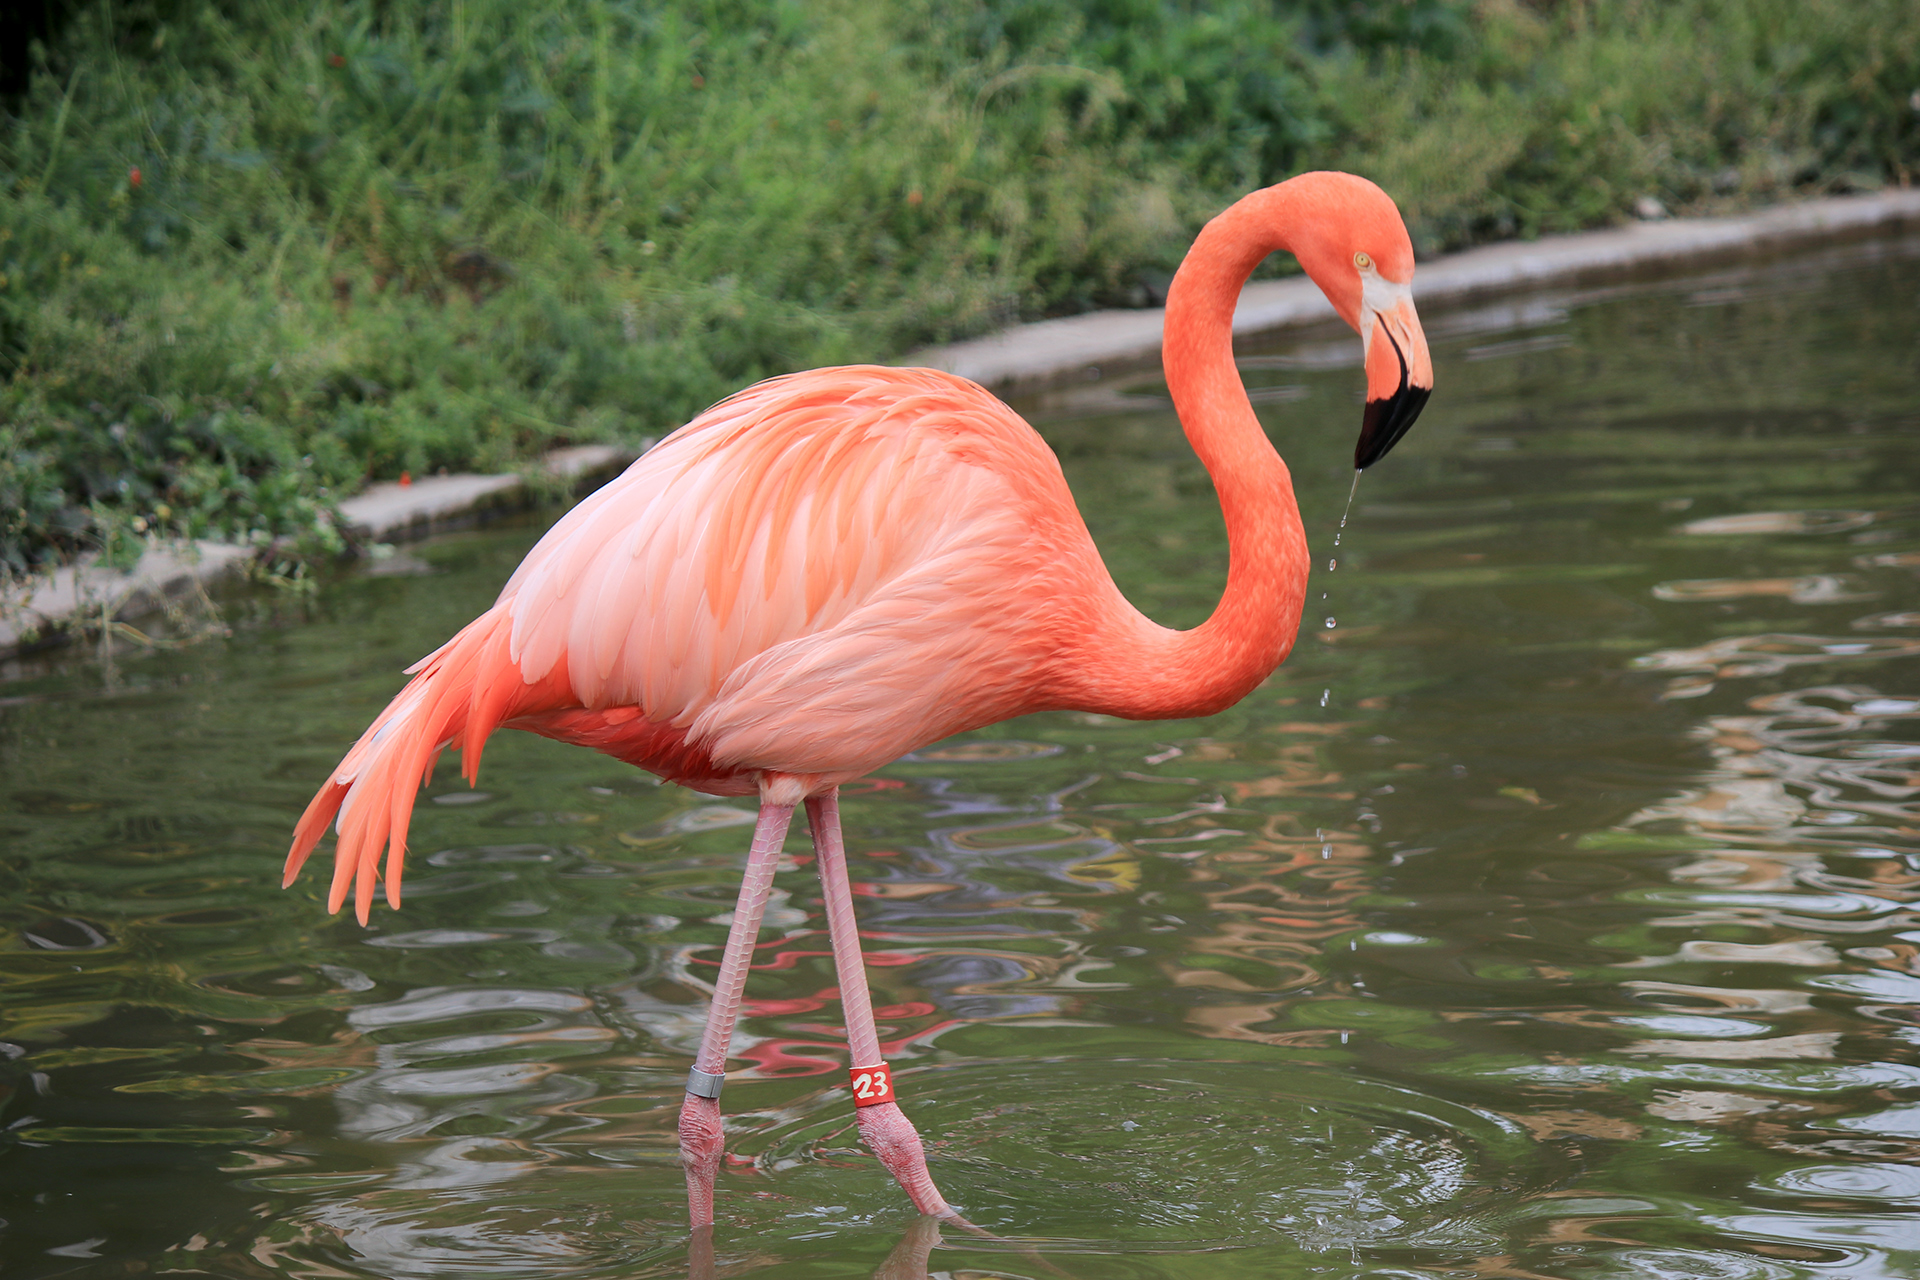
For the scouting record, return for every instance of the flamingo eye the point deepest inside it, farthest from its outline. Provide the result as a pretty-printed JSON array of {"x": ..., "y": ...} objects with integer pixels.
[{"x": 1362, "y": 261}]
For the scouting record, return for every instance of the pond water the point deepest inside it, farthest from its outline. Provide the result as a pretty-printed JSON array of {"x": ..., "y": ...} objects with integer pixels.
[{"x": 1549, "y": 914}]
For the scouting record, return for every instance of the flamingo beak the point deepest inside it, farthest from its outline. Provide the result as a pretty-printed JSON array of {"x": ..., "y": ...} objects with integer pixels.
[{"x": 1399, "y": 374}]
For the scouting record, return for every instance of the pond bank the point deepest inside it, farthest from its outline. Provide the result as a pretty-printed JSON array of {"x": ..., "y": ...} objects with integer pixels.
[{"x": 1023, "y": 358}]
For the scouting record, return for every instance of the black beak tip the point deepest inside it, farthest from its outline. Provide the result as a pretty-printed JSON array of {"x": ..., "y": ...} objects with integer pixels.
[{"x": 1386, "y": 421}]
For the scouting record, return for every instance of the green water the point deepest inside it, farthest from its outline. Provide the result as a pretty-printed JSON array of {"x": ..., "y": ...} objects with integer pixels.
[{"x": 1548, "y": 916}]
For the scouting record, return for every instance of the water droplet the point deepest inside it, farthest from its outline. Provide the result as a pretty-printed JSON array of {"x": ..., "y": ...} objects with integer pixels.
[
  {"x": 1333, "y": 564},
  {"x": 1324, "y": 695},
  {"x": 1330, "y": 624}
]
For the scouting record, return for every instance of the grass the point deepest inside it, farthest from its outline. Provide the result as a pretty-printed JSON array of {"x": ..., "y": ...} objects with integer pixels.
[{"x": 254, "y": 255}]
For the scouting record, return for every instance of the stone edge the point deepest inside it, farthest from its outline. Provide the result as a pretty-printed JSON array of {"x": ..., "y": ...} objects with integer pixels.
[{"x": 384, "y": 512}]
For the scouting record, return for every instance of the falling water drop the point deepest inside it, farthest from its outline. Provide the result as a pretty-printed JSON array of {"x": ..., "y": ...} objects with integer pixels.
[
  {"x": 1348, "y": 510},
  {"x": 1333, "y": 563}
]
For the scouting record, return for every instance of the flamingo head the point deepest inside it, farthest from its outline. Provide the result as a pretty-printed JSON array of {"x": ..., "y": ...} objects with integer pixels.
[{"x": 1356, "y": 248}]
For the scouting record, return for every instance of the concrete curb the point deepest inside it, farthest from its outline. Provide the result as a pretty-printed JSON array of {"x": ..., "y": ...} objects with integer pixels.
[
  {"x": 1031, "y": 357},
  {"x": 394, "y": 512},
  {"x": 86, "y": 593}
]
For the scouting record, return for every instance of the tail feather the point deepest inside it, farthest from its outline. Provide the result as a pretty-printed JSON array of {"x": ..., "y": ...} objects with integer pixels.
[
  {"x": 459, "y": 694},
  {"x": 492, "y": 702}
]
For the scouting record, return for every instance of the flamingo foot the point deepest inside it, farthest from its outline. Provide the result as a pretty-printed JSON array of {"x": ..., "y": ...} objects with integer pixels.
[
  {"x": 701, "y": 1144},
  {"x": 910, "y": 1257},
  {"x": 891, "y": 1136},
  {"x": 700, "y": 1261}
]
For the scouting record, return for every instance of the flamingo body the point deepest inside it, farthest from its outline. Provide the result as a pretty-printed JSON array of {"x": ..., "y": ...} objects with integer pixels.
[
  {"x": 816, "y": 575},
  {"x": 810, "y": 579}
]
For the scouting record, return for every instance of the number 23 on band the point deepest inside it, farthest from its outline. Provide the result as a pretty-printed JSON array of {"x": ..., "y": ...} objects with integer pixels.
[{"x": 872, "y": 1085}]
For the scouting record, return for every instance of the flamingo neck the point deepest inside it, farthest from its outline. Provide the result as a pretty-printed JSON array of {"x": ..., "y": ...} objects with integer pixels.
[{"x": 1144, "y": 671}]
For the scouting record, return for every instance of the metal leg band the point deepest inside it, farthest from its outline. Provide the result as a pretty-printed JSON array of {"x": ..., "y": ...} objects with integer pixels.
[{"x": 704, "y": 1084}]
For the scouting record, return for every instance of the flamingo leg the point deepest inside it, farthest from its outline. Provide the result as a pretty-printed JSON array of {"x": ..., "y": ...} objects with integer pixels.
[
  {"x": 701, "y": 1139},
  {"x": 886, "y": 1129}
]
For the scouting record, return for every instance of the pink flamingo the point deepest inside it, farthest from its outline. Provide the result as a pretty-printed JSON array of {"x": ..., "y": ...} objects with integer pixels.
[{"x": 830, "y": 569}]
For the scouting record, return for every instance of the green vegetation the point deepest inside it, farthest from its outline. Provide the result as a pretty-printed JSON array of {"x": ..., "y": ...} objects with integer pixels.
[{"x": 252, "y": 255}]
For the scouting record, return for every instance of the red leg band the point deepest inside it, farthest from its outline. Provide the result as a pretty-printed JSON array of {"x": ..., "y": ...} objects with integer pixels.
[{"x": 871, "y": 1085}]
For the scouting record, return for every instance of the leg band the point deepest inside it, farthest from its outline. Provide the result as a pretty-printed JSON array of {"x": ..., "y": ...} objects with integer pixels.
[
  {"x": 704, "y": 1084},
  {"x": 872, "y": 1085}
]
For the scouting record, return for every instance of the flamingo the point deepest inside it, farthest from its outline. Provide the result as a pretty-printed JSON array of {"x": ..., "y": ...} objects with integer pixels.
[{"x": 832, "y": 568}]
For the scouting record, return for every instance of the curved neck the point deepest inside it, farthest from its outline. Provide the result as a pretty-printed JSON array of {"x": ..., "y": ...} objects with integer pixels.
[{"x": 1142, "y": 670}]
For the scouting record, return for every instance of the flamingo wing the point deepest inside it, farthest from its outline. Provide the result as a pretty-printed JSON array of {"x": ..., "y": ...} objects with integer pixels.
[{"x": 814, "y": 576}]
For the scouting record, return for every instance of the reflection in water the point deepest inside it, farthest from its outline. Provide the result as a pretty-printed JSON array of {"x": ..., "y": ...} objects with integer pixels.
[
  {"x": 1809, "y": 761},
  {"x": 1552, "y": 916},
  {"x": 1766, "y": 655}
]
